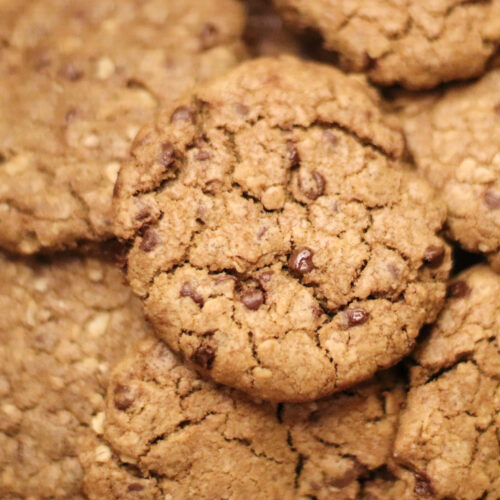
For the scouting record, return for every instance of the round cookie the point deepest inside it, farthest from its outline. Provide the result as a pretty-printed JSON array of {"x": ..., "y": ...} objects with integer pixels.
[
  {"x": 455, "y": 143},
  {"x": 183, "y": 437},
  {"x": 415, "y": 43},
  {"x": 277, "y": 242},
  {"x": 448, "y": 432},
  {"x": 63, "y": 325},
  {"x": 77, "y": 81}
]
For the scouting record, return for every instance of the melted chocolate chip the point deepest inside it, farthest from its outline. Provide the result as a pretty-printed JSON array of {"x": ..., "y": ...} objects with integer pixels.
[
  {"x": 122, "y": 397},
  {"x": 167, "y": 155},
  {"x": 261, "y": 232},
  {"x": 356, "y": 316},
  {"x": 434, "y": 255},
  {"x": 135, "y": 487},
  {"x": 315, "y": 187},
  {"x": 204, "y": 356},
  {"x": 241, "y": 109},
  {"x": 331, "y": 138},
  {"x": 71, "y": 72},
  {"x": 252, "y": 299},
  {"x": 292, "y": 154},
  {"x": 423, "y": 487},
  {"x": 183, "y": 113},
  {"x": 188, "y": 290},
  {"x": 300, "y": 260},
  {"x": 458, "y": 290},
  {"x": 208, "y": 36},
  {"x": 202, "y": 155},
  {"x": 149, "y": 240},
  {"x": 492, "y": 200}
]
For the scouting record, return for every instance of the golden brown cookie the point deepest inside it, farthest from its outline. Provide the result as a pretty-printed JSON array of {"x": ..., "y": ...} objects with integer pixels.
[
  {"x": 455, "y": 141},
  {"x": 415, "y": 43},
  {"x": 64, "y": 323},
  {"x": 277, "y": 241},
  {"x": 448, "y": 433},
  {"x": 171, "y": 434},
  {"x": 77, "y": 80}
]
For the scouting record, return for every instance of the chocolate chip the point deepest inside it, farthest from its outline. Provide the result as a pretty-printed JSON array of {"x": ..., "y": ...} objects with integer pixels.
[
  {"x": 135, "y": 487},
  {"x": 492, "y": 199},
  {"x": 300, "y": 260},
  {"x": 202, "y": 155},
  {"x": 70, "y": 114},
  {"x": 188, "y": 290},
  {"x": 434, "y": 255},
  {"x": 356, "y": 316},
  {"x": 458, "y": 290},
  {"x": 241, "y": 109},
  {"x": 265, "y": 277},
  {"x": 261, "y": 232},
  {"x": 149, "y": 240},
  {"x": 331, "y": 138},
  {"x": 314, "y": 187},
  {"x": 223, "y": 278},
  {"x": 252, "y": 299},
  {"x": 204, "y": 356},
  {"x": 143, "y": 213},
  {"x": 167, "y": 154},
  {"x": 208, "y": 36},
  {"x": 349, "y": 476},
  {"x": 394, "y": 270},
  {"x": 423, "y": 487},
  {"x": 70, "y": 72},
  {"x": 183, "y": 113},
  {"x": 292, "y": 154},
  {"x": 122, "y": 397}
]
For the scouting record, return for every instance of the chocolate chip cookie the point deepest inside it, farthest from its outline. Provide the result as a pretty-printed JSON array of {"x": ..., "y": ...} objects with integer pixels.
[
  {"x": 415, "y": 43},
  {"x": 455, "y": 143},
  {"x": 448, "y": 431},
  {"x": 171, "y": 434},
  {"x": 277, "y": 241},
  {"x": 77, "y": 81},
  {"x": 63, "y": 325}
]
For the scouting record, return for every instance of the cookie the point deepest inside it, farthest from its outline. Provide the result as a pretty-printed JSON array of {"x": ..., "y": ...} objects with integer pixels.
[
  {"x": 63, "y": 325},
  {"x": 448, "y": 431},
  {"x": 171, "y": 434},
  {"x": 265, "y": 34},
  {"x": 417, "y": 44},
  {"x": 455, "y": 143},
  {"x": 77, "y": 81},
  {"x": 278, "y": 243}
]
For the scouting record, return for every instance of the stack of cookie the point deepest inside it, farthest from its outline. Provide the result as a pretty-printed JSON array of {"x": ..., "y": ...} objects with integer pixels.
[{"x": 233, "y": 268}]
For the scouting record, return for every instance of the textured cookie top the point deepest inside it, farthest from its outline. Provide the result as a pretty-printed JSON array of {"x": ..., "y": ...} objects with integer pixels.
[
  {"x": 77, "y": 81},
  {"x": 416, "y": 43},
  {"x": 170, "y": 434},
  {"x": 277, "y": 244},
  {"x": 455, "y": 141},
  {"x": 448, "y": 432},
  {"x": 63, "y": 325}
]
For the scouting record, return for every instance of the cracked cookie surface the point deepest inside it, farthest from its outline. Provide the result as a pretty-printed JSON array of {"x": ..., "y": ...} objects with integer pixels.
[
  {"x": 448, "y": 431},
  {"x": 78, "y": 80},
  {"x": 170, "y": 434},
  {"x": 277, "y": 242},
  {"x": 455, "y": 141},
  {"x": 63, "y": 326},
  {"x": 416, "y": 43}
]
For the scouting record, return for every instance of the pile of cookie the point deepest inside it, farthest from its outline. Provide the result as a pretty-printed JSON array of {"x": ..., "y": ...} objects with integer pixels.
[{"x": 249, "y": 251}]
